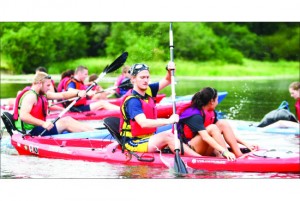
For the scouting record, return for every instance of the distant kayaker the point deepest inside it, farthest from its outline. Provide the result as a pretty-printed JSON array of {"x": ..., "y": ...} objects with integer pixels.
[
  {"x": 282, "y": 117},
  {"x": 97, "y": 88},
  {"x": 200, "y": 128},
  {"x": 32, "y": 108},
  {"x": 294, "y": 90},
  {"x": 77, "y": 82},
  {"x": 125, "y": 76},
  {"x": 65, "y": 76},
  {"x": 139, "y": 120}
]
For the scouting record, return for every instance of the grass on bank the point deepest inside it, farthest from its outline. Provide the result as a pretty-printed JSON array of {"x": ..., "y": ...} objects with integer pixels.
[
  {"x": 183, "y": 68},
  {"x": 191, "y": 68}
]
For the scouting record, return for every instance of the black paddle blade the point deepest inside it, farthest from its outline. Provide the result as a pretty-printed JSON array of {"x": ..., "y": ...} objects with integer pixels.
[
  {"x": 126, "y": 84},
  {"x": 117, "y": 63},
  {"x": 179, "y": 165}
]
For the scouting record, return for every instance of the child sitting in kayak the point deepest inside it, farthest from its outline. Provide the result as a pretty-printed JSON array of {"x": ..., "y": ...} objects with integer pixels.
[
  {"x": 282, "y": 117},
  {"x": 76, "y": 83},
  {"x": 200, "y": 128},
  {"x": 124, "y": 77}
]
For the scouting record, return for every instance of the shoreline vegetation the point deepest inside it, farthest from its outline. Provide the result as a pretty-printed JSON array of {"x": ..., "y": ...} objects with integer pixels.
[{"x": 184, "y": 69}]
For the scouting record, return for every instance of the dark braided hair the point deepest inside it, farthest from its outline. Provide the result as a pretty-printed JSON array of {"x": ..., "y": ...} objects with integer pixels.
[{"x": 202, "y": 97}]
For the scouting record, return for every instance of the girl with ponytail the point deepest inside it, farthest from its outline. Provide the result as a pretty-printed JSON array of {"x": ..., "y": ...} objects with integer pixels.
[{"x": 200, "y": 128}]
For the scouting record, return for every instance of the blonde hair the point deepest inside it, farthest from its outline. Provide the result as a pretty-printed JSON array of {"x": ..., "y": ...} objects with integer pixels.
[
  {"x": 295, "y": 85},
  {"x": 125, "y": 69},
  {"x": 40, "y": 76},
  {"x": 80, "y": 68}
]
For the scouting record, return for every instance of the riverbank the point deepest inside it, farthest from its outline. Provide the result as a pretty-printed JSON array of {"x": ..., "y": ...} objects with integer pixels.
[
  {"x": 23, "y": 79},
  {"x": 190, "y": 68}
]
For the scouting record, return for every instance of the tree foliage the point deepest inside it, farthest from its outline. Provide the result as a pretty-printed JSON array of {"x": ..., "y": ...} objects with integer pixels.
[
  {"x": 26, "y": 45},
  {"x": 29, "y": 45}
]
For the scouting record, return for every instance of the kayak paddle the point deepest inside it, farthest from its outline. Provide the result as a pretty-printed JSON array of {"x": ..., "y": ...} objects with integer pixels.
[
  {"x": 125, "y": 85},
  {"x": 108, "y": 69},
  {"x": 179, "y": 165}
]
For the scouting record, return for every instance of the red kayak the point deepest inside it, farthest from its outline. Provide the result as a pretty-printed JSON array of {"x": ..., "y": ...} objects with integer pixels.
[
  {"x": 164, "y": 109},
  {"x": 101, "y": 150},
  {"x": 115, "y": 101}
]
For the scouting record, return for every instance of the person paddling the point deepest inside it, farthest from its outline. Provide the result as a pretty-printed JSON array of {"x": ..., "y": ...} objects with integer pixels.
[
  {"x": 32, "y": 105},
  {"x": 76, "y": 83},
  {"x": 139, "y": 121}
]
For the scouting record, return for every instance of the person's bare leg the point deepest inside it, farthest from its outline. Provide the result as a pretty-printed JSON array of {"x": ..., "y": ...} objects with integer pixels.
[
  {"x": 102, "y": 104},
  {"x": 167, "y": 139},
  {"x": 72, "y": 125},
  {"x": 229, "y": 137},
  {"x": 282, "y": 124}
]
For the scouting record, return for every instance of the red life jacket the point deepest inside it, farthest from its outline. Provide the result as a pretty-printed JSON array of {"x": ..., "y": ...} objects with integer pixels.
[
  {"x": 118, "y": 82},
  {"x": 38, "y": 110},
  {"x": 62, "y": 84},
  {"x": 80, "y": 86},
  {"x": 297, "y": 107},
  {"x": 185, "y": 111},
  {"x": 130, "y": 128}
]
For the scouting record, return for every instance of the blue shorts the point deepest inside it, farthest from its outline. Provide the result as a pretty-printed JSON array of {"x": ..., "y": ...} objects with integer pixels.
[{"x": 39, "y": 129}]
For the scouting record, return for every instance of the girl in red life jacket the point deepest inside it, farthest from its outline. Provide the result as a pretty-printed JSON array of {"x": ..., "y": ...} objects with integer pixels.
[
  {"x": 294, "y": 90},
  {"x": 202, "y": 130},
  {"x": 65, "y": 76}
]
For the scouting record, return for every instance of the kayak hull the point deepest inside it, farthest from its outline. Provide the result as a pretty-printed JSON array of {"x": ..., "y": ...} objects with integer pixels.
[
  {"x": 102, "y": 150},
  {"x": 164, "y": 109}
]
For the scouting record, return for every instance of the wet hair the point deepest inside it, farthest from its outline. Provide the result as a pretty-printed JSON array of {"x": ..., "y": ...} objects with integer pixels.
[
  {"x": 41, "y": 69},
  {"x": 202, "y": 97},
  {"x": 93, "y": 77},
  {"x": 67, "y": 73},
  {"x": 295, "y": 85}
]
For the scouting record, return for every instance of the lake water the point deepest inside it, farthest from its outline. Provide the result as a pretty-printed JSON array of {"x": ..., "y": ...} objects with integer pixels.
[{"x": 247, "y": 100}]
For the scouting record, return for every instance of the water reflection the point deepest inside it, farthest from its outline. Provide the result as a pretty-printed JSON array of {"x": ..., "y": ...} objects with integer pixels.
[{"x": 247, "y": 100}]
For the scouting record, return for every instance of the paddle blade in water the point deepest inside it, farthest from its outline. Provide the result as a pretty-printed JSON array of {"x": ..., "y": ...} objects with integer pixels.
[
  {"x": 117, "y": 63},
  {"x": 179, "y": 165}
]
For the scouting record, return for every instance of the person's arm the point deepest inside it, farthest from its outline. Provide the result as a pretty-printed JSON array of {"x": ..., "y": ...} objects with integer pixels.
[
  {"x": 251, "y": 147},
  {"x": 194, "y": 123},
  {"x": 150, "y": 123},
  {"x": 167, "y": 80},
  {"x": 66, "y": 94},
  {"x": 134, "y": 108}
]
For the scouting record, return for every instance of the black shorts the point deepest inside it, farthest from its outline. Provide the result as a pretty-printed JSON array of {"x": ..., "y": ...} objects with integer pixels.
[{"x": 39, "y": 129}]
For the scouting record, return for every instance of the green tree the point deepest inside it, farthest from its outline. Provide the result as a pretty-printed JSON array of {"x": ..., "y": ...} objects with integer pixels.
[
  {"x": 142, "y": 40},
  {"x": 284, "y": 44},
  {"x": 31, "y": 44},
  {"x": 97, "y": 32}
]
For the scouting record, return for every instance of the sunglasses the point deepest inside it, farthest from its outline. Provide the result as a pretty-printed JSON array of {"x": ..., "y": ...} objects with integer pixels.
[{"x": 136, "y": 68}]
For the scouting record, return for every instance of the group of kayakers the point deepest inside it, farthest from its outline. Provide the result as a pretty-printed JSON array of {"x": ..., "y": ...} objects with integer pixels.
[{"x": 199, "y": 129}]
